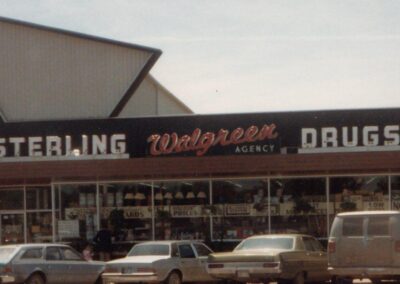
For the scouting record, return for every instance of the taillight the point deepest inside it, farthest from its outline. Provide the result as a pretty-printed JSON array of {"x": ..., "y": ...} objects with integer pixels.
[
  {"x": 270, "y": 264},
  {"x": 397, "y": 246},
  {"x": 331, "y": 246},
  {"x": 215, "y": 265},
  {"x": 7, "y": 269},
  {"x": 145, "y": 270}
]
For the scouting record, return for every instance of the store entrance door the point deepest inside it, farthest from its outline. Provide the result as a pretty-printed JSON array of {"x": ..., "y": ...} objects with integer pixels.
[{"x": 12, "y": 228}]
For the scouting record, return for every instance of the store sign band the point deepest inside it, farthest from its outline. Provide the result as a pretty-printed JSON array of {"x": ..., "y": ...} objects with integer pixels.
[{"x": 204, "y": 135}]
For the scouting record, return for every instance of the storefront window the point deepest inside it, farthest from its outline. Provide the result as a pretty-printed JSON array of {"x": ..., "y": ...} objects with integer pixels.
[
  {"x": 241, "y": 208},
  {"x": 12, "y": 228},
  {"x": 359, "y": 193},
  {"x": 39, "y": 227},
  {"x": 395, "y": 187},
  {"x": 126, "y": 209},
  {"x": 77, "y": 212},
  {"x": 12, "y": 199},
  {"x": 299, "y": 206},
  {"x": 182, "y": 210},
  {"x": 38, "y": 198}
]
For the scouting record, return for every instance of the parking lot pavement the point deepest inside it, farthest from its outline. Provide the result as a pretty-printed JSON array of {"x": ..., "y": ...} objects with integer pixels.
[{"x": 356, "y": 281}]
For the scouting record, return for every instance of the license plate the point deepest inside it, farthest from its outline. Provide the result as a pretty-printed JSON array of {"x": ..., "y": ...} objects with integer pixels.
[{"x": 243, "y": 274}]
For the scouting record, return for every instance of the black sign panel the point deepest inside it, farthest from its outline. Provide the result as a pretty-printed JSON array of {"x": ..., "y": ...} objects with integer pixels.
[{"x": 203, "y": 135}]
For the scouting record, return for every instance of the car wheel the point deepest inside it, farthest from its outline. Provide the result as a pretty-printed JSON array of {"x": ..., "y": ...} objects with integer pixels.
[
  {"x": 341, "y": 280},
  {"x": 35, "y": 279},
  {"x": 299, "y": 278},
  {"x": 174, "y": 278}
]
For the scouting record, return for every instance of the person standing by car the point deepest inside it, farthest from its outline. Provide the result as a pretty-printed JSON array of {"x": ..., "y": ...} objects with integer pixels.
[
  {"x": 88, "y": 252},
  {"x": 103, "y": 243}
]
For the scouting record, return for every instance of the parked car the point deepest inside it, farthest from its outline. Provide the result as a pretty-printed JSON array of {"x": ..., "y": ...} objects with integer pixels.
[
  {"x": 47, "y": 263},
  {"x": 282, "y": 258},
  {"x": 172, "y": 262},
  {"x": 365, "y": 244}
]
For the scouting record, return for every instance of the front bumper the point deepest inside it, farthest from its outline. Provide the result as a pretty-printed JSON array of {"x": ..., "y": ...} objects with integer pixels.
[
  {"x": 364, "y": 272},
  {"x": 7, "y": 279},
  {"x": 112, "y": 278}
]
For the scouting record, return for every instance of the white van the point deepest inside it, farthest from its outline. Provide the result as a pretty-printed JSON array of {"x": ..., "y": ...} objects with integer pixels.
[{"x": 365, "y": 245}]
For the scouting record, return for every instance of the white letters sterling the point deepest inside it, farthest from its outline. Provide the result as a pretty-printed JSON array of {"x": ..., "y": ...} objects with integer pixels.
[{"x": 84, "y": 147}]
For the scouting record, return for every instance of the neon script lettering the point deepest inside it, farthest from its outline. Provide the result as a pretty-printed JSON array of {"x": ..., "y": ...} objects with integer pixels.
[{"x": 202, "y": 142}]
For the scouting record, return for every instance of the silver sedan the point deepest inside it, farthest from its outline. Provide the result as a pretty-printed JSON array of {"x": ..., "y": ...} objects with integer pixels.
[
  {"x": 47, "y": 263},
  {"x": 172, "y": 262}
]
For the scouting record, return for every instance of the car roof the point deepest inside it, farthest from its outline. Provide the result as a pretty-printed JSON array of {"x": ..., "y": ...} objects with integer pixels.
[
  {"x": 33, "y": 245},
  {"x": 169, "y": 242},
  {"x": 361, "y": 213},
  {"x": 278, "y": 236}
]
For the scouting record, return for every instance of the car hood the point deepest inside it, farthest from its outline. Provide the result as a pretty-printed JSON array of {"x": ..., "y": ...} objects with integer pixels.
[
  {"x": 97, "y": 262},
  {"x": 245, "y": 255},
  {"x": 139, "y": 259}
]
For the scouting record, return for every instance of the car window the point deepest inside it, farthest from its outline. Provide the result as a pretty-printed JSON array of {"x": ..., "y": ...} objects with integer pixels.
[
  {"x": 308, "y": 243},
  {"x": 312, "y": 244},
  {"x": 266, "y": 243},
  {"x": 316, "y": 245},
  {"x": 202, "y": 250},
  {"x": 7, "y": 252},
  {"x": 353, "y": 227},
  {"x": 186, "y": 251},
  {"x": 378, "y": 226},
  {"x": 32, "y": 253},
  {"x": 149, "y": 249},
  {"x": 53, "y": 253},
  {"x": 69, "y": 254}
]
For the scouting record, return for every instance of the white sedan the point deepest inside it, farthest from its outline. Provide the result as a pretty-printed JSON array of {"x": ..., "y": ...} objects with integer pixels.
[{"x": 172, "y": 262}]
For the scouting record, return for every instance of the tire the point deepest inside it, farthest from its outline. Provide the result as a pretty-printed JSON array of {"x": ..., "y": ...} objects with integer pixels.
[
  {"x": 299, "y": 278},
  {"x": 174, "y": 278},
  {"x": 98, "y": 280},
  {"x": 35, "y": 279},
  {"x": 341, "y": 280}
]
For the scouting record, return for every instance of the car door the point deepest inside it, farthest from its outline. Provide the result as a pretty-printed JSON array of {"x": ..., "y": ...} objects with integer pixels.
[
  {"x": 188, "y": 262},
  {"x": 351, "y": 239},
  {"x": 78, "y": 270},
  {"x": 315, "y": 261},
  {"x": 202, "y": 252},
  {"x": 54, "y": 266},
  {"x": 321, "y": 260},
  {"x": 29, "y": 260},
  {"x": 378, "y": 242}
]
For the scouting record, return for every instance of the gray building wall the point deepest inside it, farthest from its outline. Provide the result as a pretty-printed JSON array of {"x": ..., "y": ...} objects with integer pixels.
[{"x": 49, "y": 74}]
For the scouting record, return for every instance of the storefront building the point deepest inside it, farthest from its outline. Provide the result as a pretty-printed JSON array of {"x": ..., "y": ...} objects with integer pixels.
[
  {"x": 88, "y": 138},
  {"x": 219, "y": 178}
]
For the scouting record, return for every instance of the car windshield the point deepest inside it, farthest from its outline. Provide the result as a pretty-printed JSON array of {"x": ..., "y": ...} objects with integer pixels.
[
  {"x": 149, "y": 249},
  {"x": 6, "y": 253},
  {"x": 266, "y": 243}
]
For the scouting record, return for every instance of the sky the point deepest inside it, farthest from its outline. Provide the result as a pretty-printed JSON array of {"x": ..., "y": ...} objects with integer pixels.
[{"x": 234, "y": 56}]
